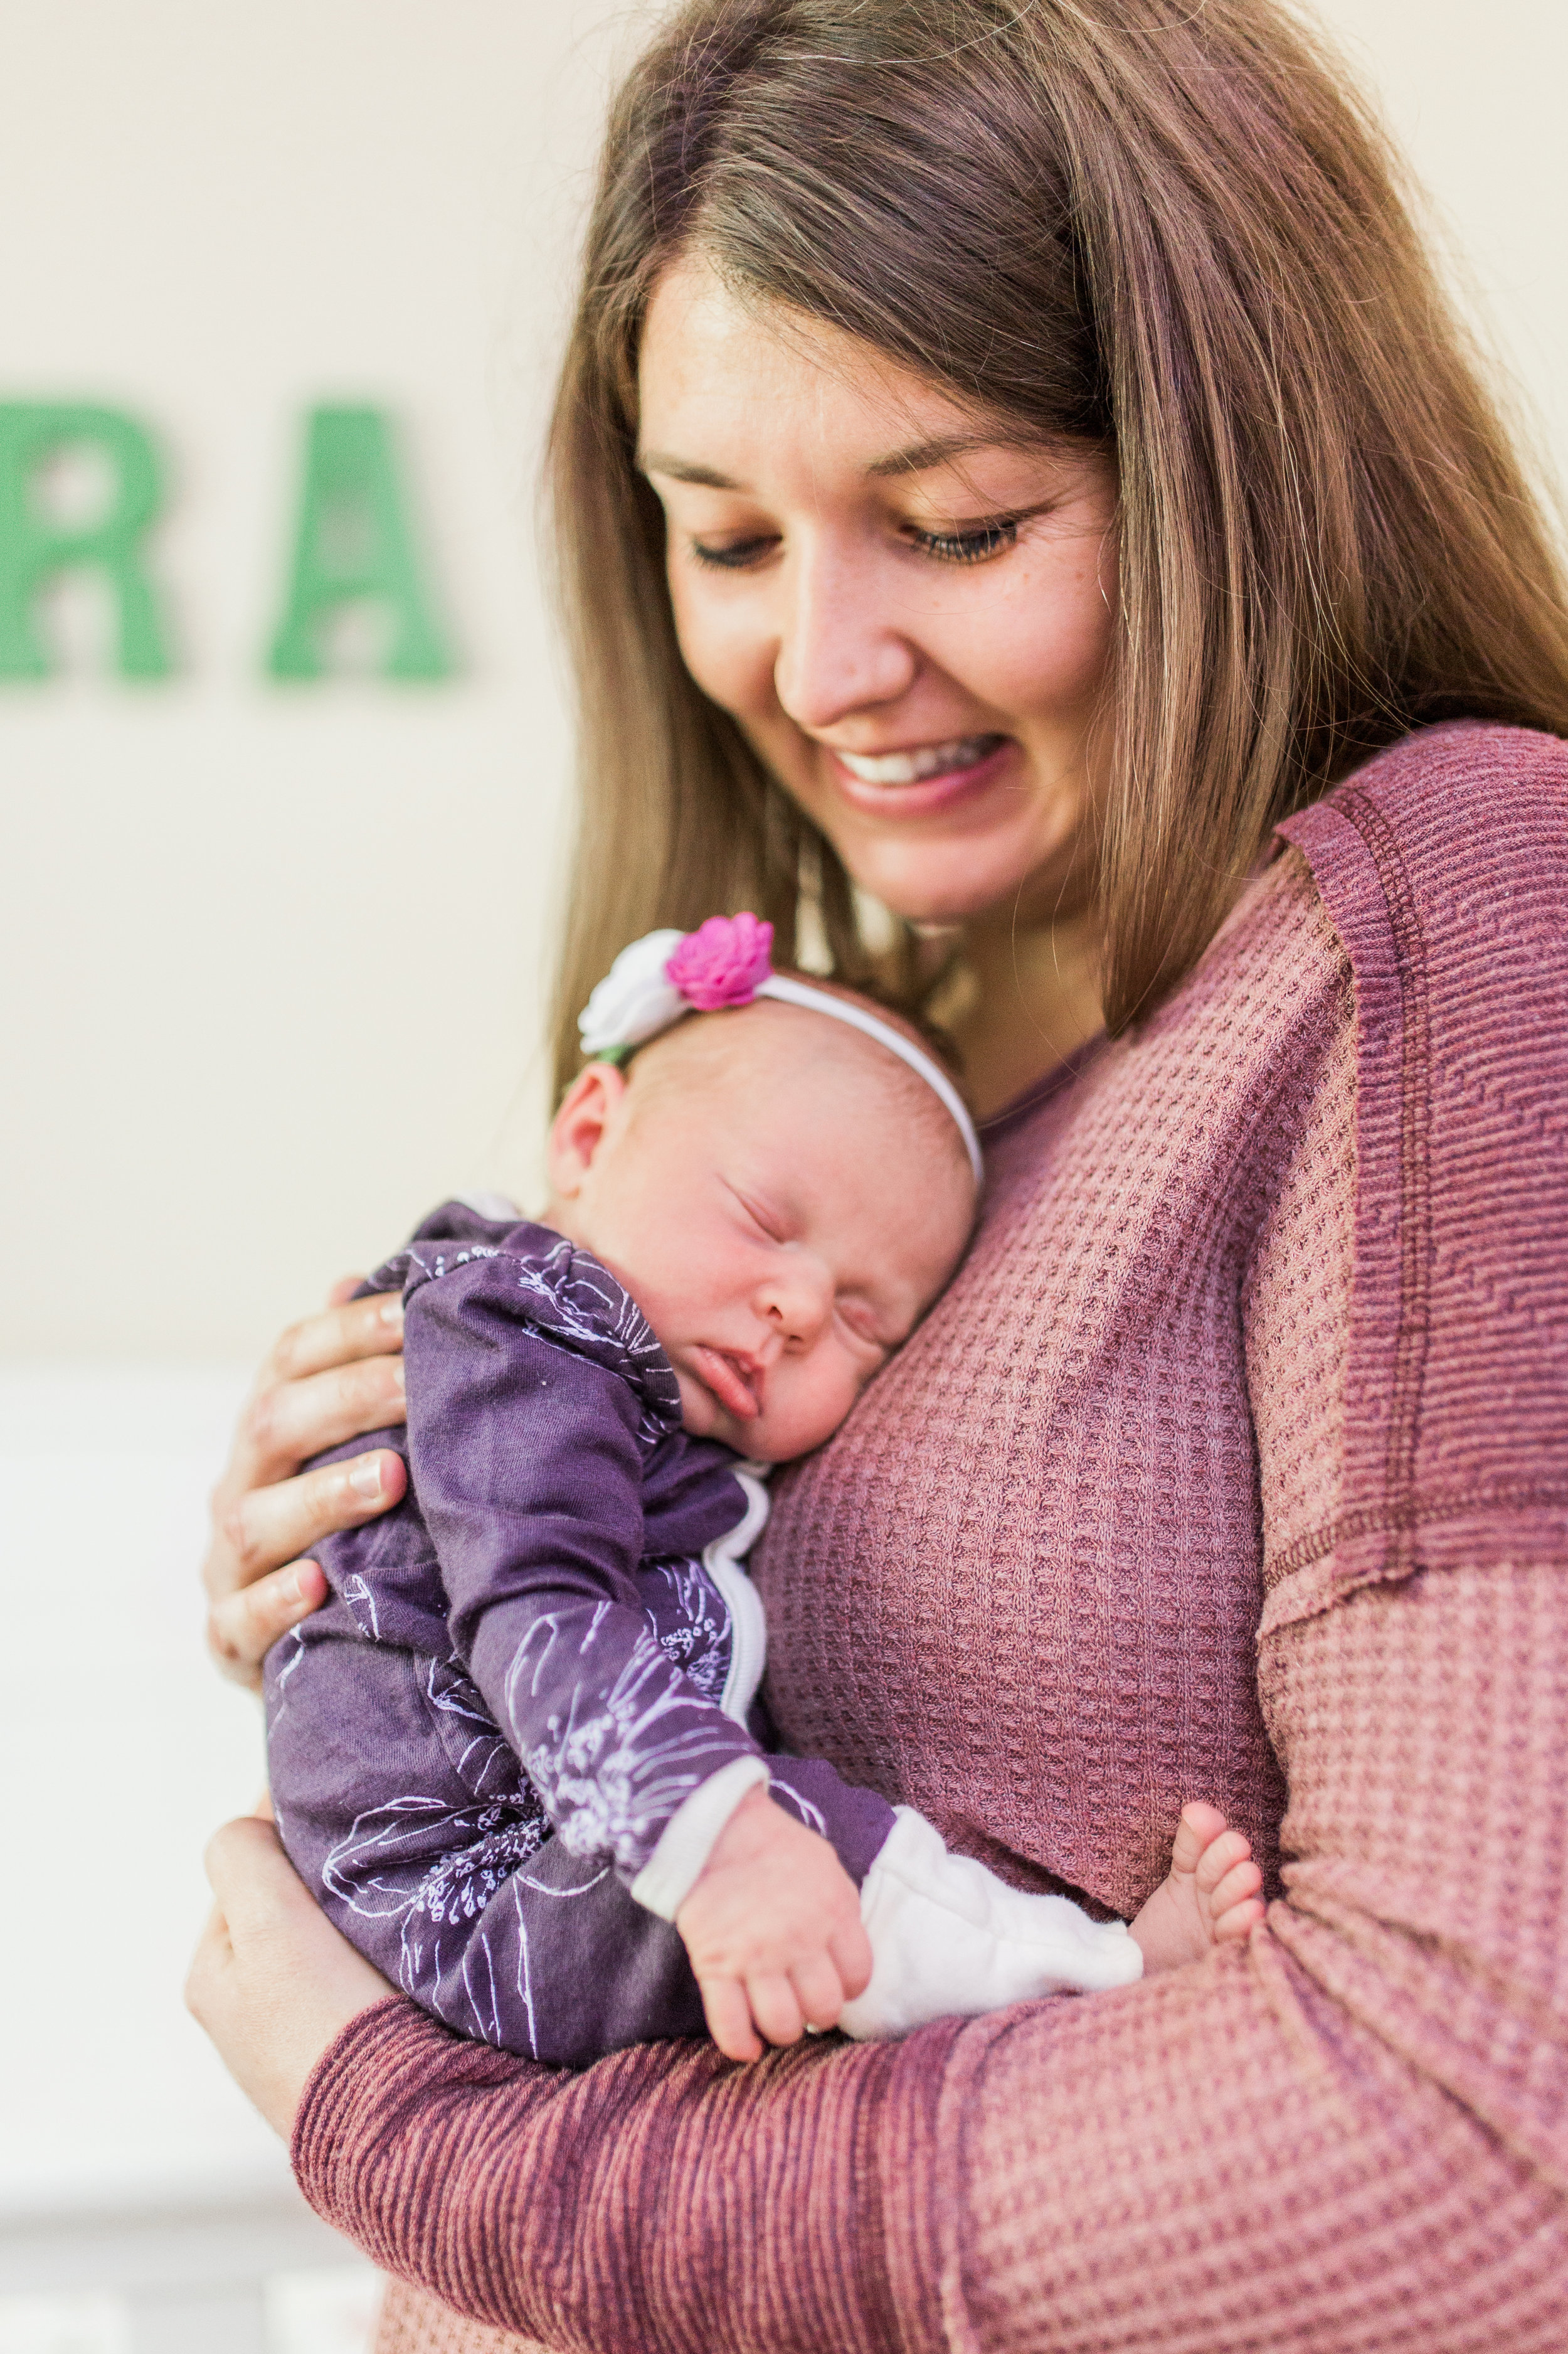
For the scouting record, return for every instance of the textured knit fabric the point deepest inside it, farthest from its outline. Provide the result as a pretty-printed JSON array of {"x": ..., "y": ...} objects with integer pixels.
[
  {"x": 544, "y": 1598},
  {"x": 1234, "y": 1465}
]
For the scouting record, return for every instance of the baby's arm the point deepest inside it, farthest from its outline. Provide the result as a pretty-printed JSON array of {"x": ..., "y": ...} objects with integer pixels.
[{"x": 527, "y": 1459}]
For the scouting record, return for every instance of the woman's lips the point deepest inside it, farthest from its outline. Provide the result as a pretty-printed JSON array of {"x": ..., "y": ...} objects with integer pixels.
[
  {"x": 738, "y": 1391},
  {"x": 921, "y": 778}
]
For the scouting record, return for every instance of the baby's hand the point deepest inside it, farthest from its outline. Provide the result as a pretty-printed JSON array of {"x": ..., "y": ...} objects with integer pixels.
[{"x": 772, "y": 1927}]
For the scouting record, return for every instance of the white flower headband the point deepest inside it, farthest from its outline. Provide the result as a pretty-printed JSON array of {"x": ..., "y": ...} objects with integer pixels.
[{"x": 728, "y": 960}]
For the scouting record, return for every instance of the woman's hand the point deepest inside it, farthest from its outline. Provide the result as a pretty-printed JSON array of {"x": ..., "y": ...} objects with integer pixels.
[
  {"x": 328, "y": 1379},
  {"x": 271, "y": 1981}
]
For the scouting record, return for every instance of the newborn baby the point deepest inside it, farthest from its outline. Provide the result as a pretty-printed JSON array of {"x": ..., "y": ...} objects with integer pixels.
[{"x": 519, "y": 1754}]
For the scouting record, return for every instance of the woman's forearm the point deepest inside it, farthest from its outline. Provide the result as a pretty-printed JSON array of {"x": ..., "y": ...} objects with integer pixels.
[
  {"x": 1362, "y": 2111},
  {"x": 664, "y": 2198}
]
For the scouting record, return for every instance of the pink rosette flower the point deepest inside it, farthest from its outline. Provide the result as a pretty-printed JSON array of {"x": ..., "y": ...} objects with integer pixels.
[{"x": 724, "y": 962}]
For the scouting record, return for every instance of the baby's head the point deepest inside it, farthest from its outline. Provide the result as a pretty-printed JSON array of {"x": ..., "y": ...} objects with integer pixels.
[{"x": 783, "y": 1197}]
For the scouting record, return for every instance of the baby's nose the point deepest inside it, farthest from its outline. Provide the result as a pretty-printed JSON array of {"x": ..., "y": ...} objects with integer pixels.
[{"x": 797, "y": 1304}]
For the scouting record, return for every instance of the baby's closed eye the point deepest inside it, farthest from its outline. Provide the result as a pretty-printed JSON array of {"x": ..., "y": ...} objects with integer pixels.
[{"x": 864, "y": 1322}]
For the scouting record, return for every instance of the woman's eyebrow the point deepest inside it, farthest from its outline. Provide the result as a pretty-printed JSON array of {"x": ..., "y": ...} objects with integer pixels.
[
  {"x": 921, "y": 457},
  {"x": 684, "y": 470},
  {"x": 917, "y": 458}
]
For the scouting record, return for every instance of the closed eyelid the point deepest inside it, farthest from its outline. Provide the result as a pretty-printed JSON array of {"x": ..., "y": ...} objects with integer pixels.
[
  {"x": 868, "y": 1326},
  {"x": 769, "y": 1216}
]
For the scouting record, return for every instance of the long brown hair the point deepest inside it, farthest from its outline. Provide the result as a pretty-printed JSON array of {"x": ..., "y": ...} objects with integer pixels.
[{"x": 1174, "y": 231}]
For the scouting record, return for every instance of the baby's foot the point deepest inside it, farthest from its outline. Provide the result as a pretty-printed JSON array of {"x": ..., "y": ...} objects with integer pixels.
[{"x": 1210, "y": 1897}]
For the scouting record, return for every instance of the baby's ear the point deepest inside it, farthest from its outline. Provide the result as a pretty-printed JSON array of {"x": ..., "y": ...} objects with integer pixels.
[{"x": 578, "y": 1127}]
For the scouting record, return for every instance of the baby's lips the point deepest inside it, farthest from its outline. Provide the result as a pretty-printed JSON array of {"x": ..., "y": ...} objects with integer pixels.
[{"x": 733, "y": 1393}]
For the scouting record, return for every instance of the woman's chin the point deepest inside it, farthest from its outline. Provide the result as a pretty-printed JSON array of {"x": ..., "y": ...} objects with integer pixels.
[{"x": 942, "y": 887}]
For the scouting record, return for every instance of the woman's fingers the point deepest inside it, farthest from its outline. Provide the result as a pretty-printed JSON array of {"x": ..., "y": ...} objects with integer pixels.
[
  {"x": 259, "y": 1583},
  {"x": 346, "y": 1330},
  {"x": 286, "y": 1421},
  {"x": 265, "y": 1529},
  {"x": 330, "y": 1377},
  {"x": 249, "y": 1875},
  {"x": 242, "y": 1628}
]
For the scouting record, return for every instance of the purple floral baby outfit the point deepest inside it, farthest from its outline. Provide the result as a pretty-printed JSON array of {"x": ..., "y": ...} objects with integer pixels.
[{"x": 524, "y": 1670}]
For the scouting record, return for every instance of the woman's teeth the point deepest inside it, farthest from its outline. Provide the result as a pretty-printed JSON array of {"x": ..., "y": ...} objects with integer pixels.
[{"x": 926, "y": 760}]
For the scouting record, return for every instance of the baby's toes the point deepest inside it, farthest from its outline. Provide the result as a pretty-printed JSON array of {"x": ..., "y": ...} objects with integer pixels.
[
  {"x": 1237, "y": 1921},
  {"x": 1238, "y": 1886},
  {"x": 1222, "y": 1855},
  {"x": 1201, "y": 1824}
]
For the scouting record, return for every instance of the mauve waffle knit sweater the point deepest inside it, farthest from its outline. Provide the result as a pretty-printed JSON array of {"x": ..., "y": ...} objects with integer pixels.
[{"x": 1234, "y": 1465}]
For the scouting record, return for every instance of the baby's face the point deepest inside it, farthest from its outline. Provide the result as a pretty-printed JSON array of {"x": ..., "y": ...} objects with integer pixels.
[{"x": 780, "y": 1211}]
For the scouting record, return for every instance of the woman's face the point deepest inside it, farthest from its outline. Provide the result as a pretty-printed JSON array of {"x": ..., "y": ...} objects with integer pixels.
[{"x": 909, "y": 617}]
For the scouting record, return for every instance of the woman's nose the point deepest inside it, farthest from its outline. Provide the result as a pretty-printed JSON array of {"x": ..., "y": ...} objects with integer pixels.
[{"x": 838, "y": 650}]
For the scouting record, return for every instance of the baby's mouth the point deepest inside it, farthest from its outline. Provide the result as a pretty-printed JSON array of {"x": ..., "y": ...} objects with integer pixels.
[{"x": 734, "y": 1381}]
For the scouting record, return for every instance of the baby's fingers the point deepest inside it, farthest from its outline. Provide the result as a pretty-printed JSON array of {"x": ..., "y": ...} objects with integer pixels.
[
  {"x": 775, "y": 2008},
  {"x": 850, "y": 1950},
  {"x": 819, "y": 1991},
  {"x": 729, "y": 2014}
]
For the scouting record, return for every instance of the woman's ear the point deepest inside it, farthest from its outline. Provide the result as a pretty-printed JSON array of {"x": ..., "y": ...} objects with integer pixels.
[{"x": 579, "y": 1128}]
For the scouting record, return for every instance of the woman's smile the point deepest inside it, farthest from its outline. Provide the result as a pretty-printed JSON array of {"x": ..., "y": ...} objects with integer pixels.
[
  {"x": 919, "y": 762},
  {"x": 925, "y": 779}
]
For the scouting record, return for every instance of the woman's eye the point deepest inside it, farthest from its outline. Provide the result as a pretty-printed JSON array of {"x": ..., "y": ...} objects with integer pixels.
[
  {"x": 734, "y": 555},
  {"x": 972, "y": 546}
]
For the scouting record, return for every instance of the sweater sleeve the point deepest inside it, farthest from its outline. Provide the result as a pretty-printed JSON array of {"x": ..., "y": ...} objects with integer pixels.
[
  {"x": 527, "y": 1461},
  {"x": 1346, "y": 2138}
]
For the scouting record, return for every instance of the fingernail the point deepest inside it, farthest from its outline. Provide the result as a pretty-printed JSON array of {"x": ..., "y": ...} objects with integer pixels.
[
  {"x": 366, "y": 1480},
  {"x": 391, "y": 1314},
  {"x": 296, "y": 1589},
  {"x": 399, "y": 1377}
]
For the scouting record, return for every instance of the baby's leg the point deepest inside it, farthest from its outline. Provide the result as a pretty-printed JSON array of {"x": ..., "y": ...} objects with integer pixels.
[
  {"x": 948, "y": 1937},
  {"x": 1209, "y": 1897},
  {"x": 564, "y": 1966},
  {"x": 464, "y": 1900}
]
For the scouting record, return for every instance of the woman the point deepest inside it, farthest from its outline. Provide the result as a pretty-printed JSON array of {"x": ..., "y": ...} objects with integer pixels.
[{"x": 1017, "y": 463}]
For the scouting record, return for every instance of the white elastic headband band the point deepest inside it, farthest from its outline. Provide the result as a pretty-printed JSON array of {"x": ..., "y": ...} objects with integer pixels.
[
  {"x": 726, "y": 963},
  {"x": 823, "y": 1001}
]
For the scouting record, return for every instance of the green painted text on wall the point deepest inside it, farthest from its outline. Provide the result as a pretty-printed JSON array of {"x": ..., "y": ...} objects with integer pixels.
[
  {"x": 355, "y": 547},
  {"x": 38, "y": 549}
]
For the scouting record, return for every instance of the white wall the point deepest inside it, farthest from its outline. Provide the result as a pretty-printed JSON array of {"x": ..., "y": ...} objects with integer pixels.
[
  {"x": 272, "y": 956},
  {"x": 272, "y": 959}
]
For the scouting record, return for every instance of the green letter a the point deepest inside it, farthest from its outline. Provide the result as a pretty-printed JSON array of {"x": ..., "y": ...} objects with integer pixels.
[
  {"x": 35, "y": 549},
  {"x": 353, "y": 545}
]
